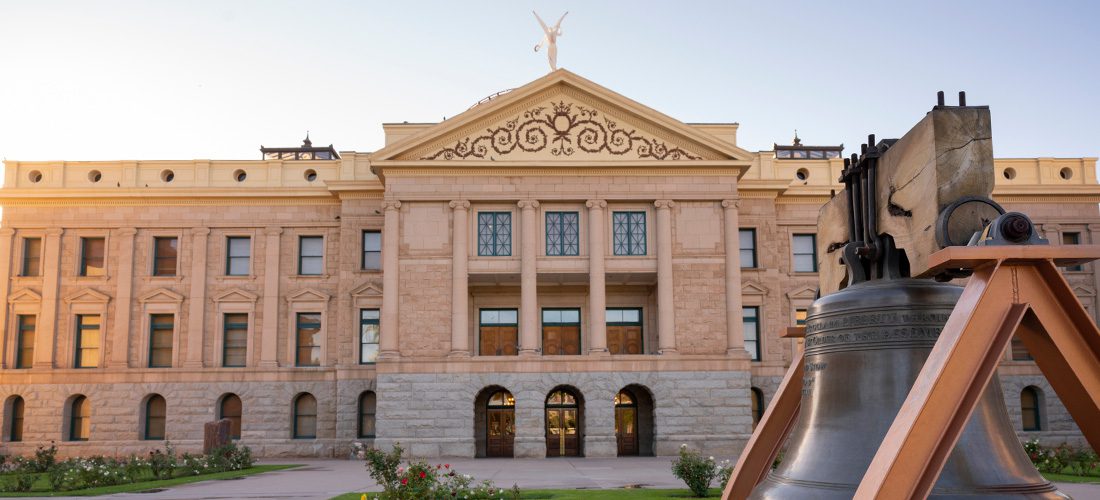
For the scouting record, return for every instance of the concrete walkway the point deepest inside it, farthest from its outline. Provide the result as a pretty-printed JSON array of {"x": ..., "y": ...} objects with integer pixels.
[{"x": 323, "y": 479}]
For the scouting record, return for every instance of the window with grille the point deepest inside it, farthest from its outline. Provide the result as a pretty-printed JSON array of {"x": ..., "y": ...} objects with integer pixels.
[
  {"x": 494, "y": 234},
  {"x": 629, "y": 233},
  {"x": 562, "y": 233}
]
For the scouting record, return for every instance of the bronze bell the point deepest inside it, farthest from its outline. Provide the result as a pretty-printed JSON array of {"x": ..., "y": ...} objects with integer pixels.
[{"x": 864, "y": 347}]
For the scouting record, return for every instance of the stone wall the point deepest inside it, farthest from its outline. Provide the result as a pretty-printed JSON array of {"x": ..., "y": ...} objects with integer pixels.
[{"x": 434, "y": 414}]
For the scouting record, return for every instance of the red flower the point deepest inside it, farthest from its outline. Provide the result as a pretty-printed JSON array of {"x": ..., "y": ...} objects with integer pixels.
[
  {"x": 404, "y": 481},
  {"x": 422, "y": 475},
  {"x": 447, "y": 465}
]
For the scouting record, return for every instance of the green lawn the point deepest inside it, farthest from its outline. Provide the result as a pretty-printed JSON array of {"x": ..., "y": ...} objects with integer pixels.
[
  {"x": 42, "y": 484},
  {"x": 1066, "y": 478},
  {"x": 616, "y": 494}
]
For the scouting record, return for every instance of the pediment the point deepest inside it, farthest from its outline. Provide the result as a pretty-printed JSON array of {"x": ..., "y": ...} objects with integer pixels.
[
  {"x": 803, "y": 293},
  {"x": 88, "y": 295},
  {"x": 1083, "y": 291},
  {"x": 561, "y": 117},
  {"x": 308, "y": 295},
  {"x": 161, "y": 295},
  {"x": 236, "y": 295},
  {"x": 751, "y": 288},
  {"x": 24, "y": 295},
  {"x": 368, "y": 289}
]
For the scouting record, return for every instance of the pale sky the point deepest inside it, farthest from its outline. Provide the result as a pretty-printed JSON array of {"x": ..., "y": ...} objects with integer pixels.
[{"x": 86, "y": 80}]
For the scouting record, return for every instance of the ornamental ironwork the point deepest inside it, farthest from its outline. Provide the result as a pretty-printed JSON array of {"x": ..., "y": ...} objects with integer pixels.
[
  {"x": 562, "y": 233},
  {"x": 629, "y": 232},
  {"x": 564, "y": 128}
]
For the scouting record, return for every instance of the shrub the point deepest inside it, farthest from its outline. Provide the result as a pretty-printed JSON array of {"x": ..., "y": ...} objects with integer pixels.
[
  {"x": 1063, "y": 459},
  {"x": 163, "y": 464},
  {"x": 725, "y": 470},
  {"x": 422, "y": 481},
  {"x": 18, "y": 483},
  {"x": 697, "y": 472},
  {"x": 44, "y": 458}
]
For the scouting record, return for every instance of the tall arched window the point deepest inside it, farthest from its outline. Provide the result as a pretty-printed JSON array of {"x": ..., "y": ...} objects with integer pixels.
[
  {"x": 156, "y": 414},
  {"x": 1031, "y": 409},
  {"x": 757, "y": 406},
  {"x": 305, "y": 416},
  {"x": 230, "y": 408},
  {"x": 367, "y": 403},
  {"x": 80, "y": 419},
  {"x": 15, "y": 421}
]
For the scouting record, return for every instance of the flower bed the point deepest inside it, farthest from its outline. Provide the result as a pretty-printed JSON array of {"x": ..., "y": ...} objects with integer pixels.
[
  {"x": 43, "y": 472},
  {"x": 420, "y": 480},
  {"x": 1063, "y": 459}
]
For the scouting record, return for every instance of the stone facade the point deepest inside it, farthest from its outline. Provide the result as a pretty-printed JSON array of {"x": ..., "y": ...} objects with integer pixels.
[{"x": 559, "y": 144}]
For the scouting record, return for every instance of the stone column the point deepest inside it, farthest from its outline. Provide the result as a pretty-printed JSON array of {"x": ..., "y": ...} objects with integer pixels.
[
  {"x": 666, "y": 316},
  {"x": 7, "y": 337},
  {"x": 269, "y": 336},
  {"x": 390, "y": 324},
  {"x": 46, "y": 332},
  {"x": 119, "y": 347},
  {"x": 735, "y": 330},
  {"x": 196, "y": 298},
  {"x": 597, "y": 290},
  {"x": 528, "y": 295},
  {"x": 460, "y": 295}
]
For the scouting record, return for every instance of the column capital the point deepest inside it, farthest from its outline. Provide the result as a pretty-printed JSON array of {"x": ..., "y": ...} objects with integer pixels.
[
  {"x": 459, "y": 205},
  {"x": 388, "y": 205},
  {"x": 7, "y": 232},
  {"x": 1051, "y": 227},
  {"x": 1094, "y": 228},
  {"x": 200, "y": 231},
  {"x": 664, "y": 204},
  {"x": 55, "y": 231},
  {"x": 273, "y": 231},
  {"x": 597, "y": 204},
  {"x": 732, "y": 203},
  {"x": 528, "y": 204},
  {"x": 126, "y": 231}
]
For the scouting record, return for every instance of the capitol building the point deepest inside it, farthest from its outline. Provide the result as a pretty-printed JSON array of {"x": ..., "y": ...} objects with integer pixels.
[{"x": 558, "y": 271}]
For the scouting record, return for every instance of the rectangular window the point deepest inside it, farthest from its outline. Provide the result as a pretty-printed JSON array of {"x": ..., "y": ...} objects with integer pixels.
[
  {"x": 160, "y": 340},
  {"x": 238, "y": 250},
  {"x": 32, "y": 257},
  {"x": 311, "y": 255},
  {"x": 751, "y": 321},
  {"x": 804, "y": 250},
  {"x": 368, "y": 336},
  {"x": 1072, "y": 239},
  {"x": 747, "y": 240},
  {"x": 308, "y": 352},
  {"x": 629, "y": 232},
  {"x": 494, "y": 234},
  {"x": 165, "y": 255},
  {"x": 91, "y": 256},
  {"x": 561, "y": 331},
  {"x": 562, "y": 233},
  {"x": 235, "y": 343},
  {"x": 87, "y": 341},
  {"x": 624, "y": 330},
  {"x": 800, "y": 317},
  {"x": 24, "y": 347},
  {"x": 499, "y": 332},
  {"x": 372, "y": 250}
]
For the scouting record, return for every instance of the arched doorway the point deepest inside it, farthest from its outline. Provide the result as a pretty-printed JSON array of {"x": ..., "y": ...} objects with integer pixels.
[
  {"x": 500, "y": 418},
  {"x": 494, "y": 422},
  {"x": 634, "y": 421},
  {"x": 564, "y": 412}
]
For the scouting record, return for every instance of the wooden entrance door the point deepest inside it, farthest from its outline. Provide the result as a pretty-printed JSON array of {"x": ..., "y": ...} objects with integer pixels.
[
  {"x": 562, "y": 428},
  {"x": 626, "y": 424},
  {"x": 500, "y": 421}
]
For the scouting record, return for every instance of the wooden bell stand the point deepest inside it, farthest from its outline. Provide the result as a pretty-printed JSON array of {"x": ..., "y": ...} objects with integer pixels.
[{"x": 1015, "y": 290}]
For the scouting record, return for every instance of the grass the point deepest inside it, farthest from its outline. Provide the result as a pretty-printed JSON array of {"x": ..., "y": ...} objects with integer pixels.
[
  {"x": 1066, "y": 478},
  {"x": 615, "y": 494},
  {"x": 42, "y": 485}
]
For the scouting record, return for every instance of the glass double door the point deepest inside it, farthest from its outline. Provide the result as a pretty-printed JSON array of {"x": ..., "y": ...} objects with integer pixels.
[
  {"x": 626, "y": 430},
  {"x": 562, "y": 429},
  {"x": 501, "y": 434}
]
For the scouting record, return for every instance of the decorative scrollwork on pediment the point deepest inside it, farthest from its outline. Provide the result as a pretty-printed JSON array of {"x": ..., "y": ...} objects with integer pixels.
[{"x": 564, "y": 128}]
